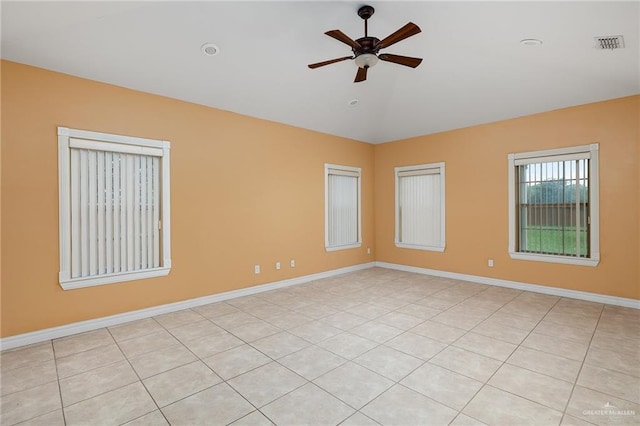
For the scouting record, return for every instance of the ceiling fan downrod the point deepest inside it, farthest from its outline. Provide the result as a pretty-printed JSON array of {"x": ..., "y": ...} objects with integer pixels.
[{"x": 365, "y": 12}]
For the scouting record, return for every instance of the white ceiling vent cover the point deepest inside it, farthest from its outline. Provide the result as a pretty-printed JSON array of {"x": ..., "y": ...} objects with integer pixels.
[{"x": 610, "y": 42}]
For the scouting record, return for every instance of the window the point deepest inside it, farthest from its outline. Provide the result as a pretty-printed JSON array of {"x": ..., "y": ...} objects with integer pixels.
[
  {"x": 342, "y": 207},
  {"x": 553, "y": 205},
  {"x": 420, "y": 207},
  {"x": 114, "y": 208}
]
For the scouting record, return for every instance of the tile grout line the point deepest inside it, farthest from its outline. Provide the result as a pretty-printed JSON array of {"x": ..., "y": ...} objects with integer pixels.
[
  {"x": 358, "y": 410},
  {"x": 89, "y": 370},
  {"x": 316, "y": 344},
  {"x": 566, "y": 406},
  {"x": 403, "y": 332},
  {"x": 139, "y": 380},
  {"x": 226, "y": 381},
  {"x": 55, "y": 360},
  {"x": 258, "y": 409},
  {"x": 198, "y": 359},
  {"x": 486, "y": 383}
]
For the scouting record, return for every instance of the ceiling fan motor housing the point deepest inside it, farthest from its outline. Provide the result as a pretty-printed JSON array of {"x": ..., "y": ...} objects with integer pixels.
[{"x": 368, "y": 45}]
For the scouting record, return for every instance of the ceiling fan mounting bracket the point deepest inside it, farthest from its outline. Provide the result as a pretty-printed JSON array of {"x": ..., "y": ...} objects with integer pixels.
[{"x": 365, "y": 12}]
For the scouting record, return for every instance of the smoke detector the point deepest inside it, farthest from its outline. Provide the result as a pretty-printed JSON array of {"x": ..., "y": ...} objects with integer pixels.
[{"x": 609, "y": 42}]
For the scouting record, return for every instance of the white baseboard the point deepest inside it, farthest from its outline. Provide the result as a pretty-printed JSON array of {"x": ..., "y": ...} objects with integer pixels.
[
  {"x": 573, "y": 294},
  {"x": 94, "y": 324}
]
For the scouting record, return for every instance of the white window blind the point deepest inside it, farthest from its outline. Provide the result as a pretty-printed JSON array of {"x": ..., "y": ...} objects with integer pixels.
[
  {"x": 342, "y": 207},
  {"x": 114, "y": 208},
  {"x": 420, "y": 220},
  {"x": 553, "y": 205}
]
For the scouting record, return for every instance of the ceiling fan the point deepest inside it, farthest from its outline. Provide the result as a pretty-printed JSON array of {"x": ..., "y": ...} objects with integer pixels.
[{"x": 365, "y": 50}]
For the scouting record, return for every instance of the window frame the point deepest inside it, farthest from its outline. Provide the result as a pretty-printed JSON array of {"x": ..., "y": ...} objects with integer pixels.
[
  {"x": 128, "y": 144},
  {"x": 348, "y": 169},
  {"x": 592, "y": 151},
  {"x": 440, "y": 166}
]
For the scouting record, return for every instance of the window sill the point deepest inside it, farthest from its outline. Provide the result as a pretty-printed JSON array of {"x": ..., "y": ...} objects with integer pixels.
[
  {"x": 74, "y": 283},
  {"x": 420, "y": 247},
  {"x": 349, "y": 246},
  {"x": 568, "y": 260}
]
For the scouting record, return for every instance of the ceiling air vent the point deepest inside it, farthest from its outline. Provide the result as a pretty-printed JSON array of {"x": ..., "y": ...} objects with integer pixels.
[{"x": 610, "y": 42}]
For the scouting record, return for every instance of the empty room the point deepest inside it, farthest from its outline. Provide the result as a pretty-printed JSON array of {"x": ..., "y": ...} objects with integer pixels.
[{"x": 320, "y": 213}]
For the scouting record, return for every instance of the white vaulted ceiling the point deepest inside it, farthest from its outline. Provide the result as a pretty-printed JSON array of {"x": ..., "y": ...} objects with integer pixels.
[{"x": 474, "y": 70}]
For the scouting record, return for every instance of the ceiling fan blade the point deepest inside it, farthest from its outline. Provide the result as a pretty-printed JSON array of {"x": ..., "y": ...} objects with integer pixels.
[
  {"x": 407, "y": 61},
  {"x": 361, "y": 75},
  {"x": 331, "y": 61},
  {"x": 340, "y": 36},
  {"x": 407, "y": 31}
]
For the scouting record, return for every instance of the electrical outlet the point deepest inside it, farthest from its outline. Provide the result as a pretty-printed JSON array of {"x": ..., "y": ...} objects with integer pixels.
[
  {"x": 368, "y": 250},
  {"x": 256, "y": 269},
  {"x": 278, "y": 265},
  {"x": 490, "y": 263},
  {"x": 293, "y": 263}
]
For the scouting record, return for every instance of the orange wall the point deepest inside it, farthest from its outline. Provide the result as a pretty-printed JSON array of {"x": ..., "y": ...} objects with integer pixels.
[
  {"x": 476, "y": 196},
  {"x": 0, "y": 198},
  {"x": 243, "y": 191},
  {"x": 247, "y": 191},
  {"x": 637, "y": 137}
]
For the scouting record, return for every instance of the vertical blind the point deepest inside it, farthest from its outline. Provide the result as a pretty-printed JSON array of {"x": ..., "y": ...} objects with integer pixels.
[
  {"x": 553, "y": 207},
  {"x": 115, "y": 211},
  {"x": 419, "y": 207},
  {"x": 342, "y": 208}
]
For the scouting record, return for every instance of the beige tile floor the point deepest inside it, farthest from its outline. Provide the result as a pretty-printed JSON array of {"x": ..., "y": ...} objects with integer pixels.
[{"x": 371, "y": 347}]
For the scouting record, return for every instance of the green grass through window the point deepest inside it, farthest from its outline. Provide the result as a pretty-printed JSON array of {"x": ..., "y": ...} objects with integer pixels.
[{"x": 553, "y": 240}]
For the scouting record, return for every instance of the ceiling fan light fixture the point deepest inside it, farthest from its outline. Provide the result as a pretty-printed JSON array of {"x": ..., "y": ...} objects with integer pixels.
[{"x": 367, "y": 60}]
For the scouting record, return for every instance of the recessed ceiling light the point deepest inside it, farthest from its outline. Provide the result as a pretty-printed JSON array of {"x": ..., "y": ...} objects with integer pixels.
[
  {"x": 530, "y": 42},
  {"x": 210, "y": 49},
  {"x": 353, "y": 102}
]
